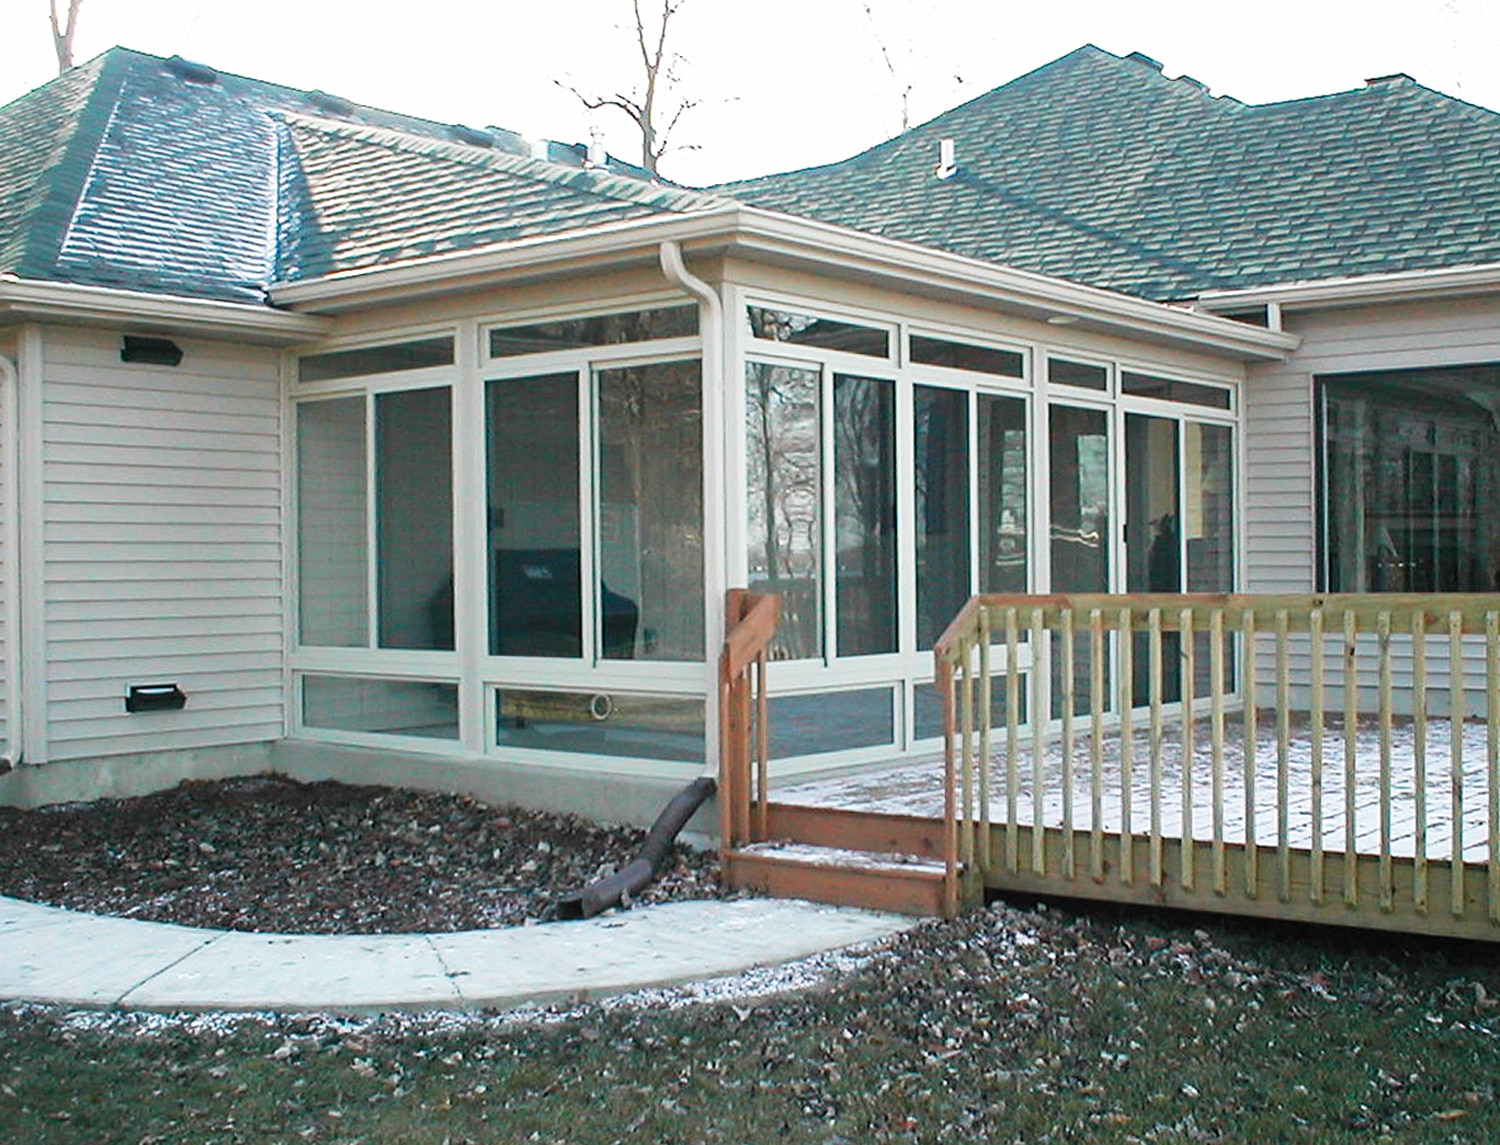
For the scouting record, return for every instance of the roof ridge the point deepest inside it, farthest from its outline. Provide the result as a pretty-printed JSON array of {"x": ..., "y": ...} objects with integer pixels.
[{"x": 589, "y": 180}]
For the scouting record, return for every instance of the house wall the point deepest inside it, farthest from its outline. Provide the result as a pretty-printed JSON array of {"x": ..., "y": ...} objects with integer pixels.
[
  {"x": 162, "y": 530},
  {"x": 8, "y": 351},
  {"x": 1280, "y": 496}
]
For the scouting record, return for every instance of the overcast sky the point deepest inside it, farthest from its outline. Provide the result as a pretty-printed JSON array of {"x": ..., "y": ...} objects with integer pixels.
[{"x": 781, "y": 83}]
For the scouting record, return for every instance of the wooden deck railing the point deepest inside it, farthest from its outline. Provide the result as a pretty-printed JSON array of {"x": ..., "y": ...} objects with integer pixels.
[
  {"x": 1318, "y": 757},
  {"x": 750, "y": 623}
]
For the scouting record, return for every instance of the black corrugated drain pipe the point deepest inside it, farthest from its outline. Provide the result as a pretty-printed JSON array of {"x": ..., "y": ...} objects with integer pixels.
[{"x": 629, "y": 880}]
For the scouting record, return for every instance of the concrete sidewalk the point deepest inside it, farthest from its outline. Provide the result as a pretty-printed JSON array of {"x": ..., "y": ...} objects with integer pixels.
[{"x": 52, "y": 955}]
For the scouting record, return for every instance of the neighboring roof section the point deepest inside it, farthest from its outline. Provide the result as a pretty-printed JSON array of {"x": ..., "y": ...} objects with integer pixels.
[
  {"x": 357, "y": 196},
  {"x": 167, "y": 177},
  {"x": 1099, "y": 169}
]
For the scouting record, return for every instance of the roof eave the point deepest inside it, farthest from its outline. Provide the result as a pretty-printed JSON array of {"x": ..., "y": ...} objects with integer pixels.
[
  {"x": 23, "y": 300},
  {"x": 1359, "y": 290},
  {"x": 787, "y": 240}
]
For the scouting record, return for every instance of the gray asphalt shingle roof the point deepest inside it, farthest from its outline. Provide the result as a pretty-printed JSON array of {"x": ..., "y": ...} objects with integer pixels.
[
  {"x": 146, "y": 174},
  {"x": 1099, "y": 169}
]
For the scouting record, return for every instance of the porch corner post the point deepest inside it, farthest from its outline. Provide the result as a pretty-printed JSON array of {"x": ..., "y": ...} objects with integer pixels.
[{"x": 10, "y": 538}]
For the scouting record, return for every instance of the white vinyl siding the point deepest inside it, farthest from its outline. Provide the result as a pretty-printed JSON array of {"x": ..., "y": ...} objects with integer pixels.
[
  {"x": 1280, "y": 526},
  {"x": 162, "y": 527},
  {"x": 7, "y": 670}
]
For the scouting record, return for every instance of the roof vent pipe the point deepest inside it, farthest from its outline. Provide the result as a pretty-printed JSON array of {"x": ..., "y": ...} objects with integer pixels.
[
  {"x": 946, "y": 167},
  {"x": 597, "y": 155},
  {"x": 540, "y": 149}
]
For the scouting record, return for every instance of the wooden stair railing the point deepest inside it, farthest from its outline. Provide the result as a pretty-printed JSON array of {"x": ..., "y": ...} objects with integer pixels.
[{"x": 750, "y": 623}]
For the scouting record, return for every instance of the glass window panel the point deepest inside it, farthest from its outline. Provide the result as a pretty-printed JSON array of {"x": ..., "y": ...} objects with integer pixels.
[
  {"x": 1153, "y": 541},
  {"x": 1080, "y": 499},
  {"x": 597, "y": 330},
  {"x": 940, "y": 426},
  {"x": 864, "y": 445},
  {"x": 829, "y": 333},
  {"x": 535, "y": 574},
  {"x": 1411, "y": 465},
  {"x": 381, "y": 707},
  {"x": 1172, "y": 390},
  {"x": 414, "y": 518},
  {"x": 927, "y": 714},
  {"x": 783, "y": 451},
  {"x": 1081, "y": 374},
  {"x": 1208, "y": 507},
  {"x": 832, "y": 721},
  {"x": 1002, "y": 494},
  {"x": 596, "y": 723},
  {"x": 398, "y": 356},
  {"x": 966, "y": 356},
  {"x": 650, "y": 518},
  {"x": 333, "y": 543}
]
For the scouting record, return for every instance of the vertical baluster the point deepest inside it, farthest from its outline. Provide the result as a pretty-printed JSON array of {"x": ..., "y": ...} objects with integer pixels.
[
  {"x": 1283, "y": 761},
  {"x": 1125, "y": 659},
  {"x": 1459, "y": 891},
  {"x": 762, "y": 749},
  {"x": 1069, "y": 699},
  {"x": 1316, "y": 718},
  {"x": 1351, "y": 760},
  {"x": 1096, "y": 742},
  {"x": 1387, "y": 885},
  {"x": 1153, "y": 627},
  {"x": 1013, "y": 737},
  {"x": 1419, "y": 755},
  {"x": 1189, "y": 684},
  {"x": 985, "y": 705},
  {"x": 950, "y": 802},
  {"x": 1252, "y": 839},
  {"x": 1040, "y": 706},
  {"x": 1216, "y": 742},
  {"x": 966, "y": 776},
  {"x": 1492, "y": 742}
]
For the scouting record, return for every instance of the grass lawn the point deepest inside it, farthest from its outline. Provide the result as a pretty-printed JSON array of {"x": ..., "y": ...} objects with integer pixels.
[{"x": 1008, "y": 1025}]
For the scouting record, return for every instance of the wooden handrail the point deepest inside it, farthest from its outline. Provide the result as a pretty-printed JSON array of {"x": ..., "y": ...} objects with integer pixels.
[{"x": 744, "y": 736}]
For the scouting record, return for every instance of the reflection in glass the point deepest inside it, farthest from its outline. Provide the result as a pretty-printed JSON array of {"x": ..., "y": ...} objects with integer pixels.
[
  {"x": 596, "y": 330},
  {"x": 784, "y": 507},
  {"x": 1173, "y": 390},
  {"x": 332, "y": 537},
  {"x": 864, "y": 446},
  {"x": 1411, "y": 475},
  {"x": 599, "y": 723},
  {"x": 1080, "y": 374},
  {"x": 1080, "y": 528},
  {"x": 535, "y": 575},
  {"x": 940, "y": 424},
  {"x": 966, "y": 356},
  {"x": 650, "y": 517},
  {"x": 380, "y": 707},
  {"x": 828, "y": 333},
  {"x": 832, "y": 721},
  {"x": 392, "y": 358},
  {"x": 1153, "y": 541},
  {"x": 1208, "y": 509},
  {"x": 1002, "y": 494},
  {"x": 927, "y": 706},
  {"x": 414, "y": 518}
]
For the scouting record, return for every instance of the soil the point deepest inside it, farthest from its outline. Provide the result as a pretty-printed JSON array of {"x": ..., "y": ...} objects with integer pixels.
[{"x": 271, "y": 855}]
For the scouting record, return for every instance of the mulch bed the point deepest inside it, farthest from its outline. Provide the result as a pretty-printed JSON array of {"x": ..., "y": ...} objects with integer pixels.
[{"x": 271, "y": 855}]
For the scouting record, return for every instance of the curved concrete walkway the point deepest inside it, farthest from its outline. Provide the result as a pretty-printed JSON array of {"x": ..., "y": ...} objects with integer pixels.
[{"x": 52, "y": 955}]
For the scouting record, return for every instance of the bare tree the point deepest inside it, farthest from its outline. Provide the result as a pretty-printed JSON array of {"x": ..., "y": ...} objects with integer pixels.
[
  {"x": 62, "y": 33},
  {"x": 890, "y": 66},
  {"x": 659, "y": 70}
]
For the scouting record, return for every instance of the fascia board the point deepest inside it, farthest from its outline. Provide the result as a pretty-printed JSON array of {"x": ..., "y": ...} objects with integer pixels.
[
  {"x": 819, "y": 247},
  {"x": 1332, "y": 293},
  {"x": 26, "y": 301}
]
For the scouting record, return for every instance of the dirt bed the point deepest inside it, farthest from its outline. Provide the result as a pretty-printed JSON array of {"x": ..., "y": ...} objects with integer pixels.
[{"x": 270, "y": 855}]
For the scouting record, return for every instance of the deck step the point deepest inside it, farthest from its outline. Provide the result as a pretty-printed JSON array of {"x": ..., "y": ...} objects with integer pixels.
[{"x": 878, "y": 880}]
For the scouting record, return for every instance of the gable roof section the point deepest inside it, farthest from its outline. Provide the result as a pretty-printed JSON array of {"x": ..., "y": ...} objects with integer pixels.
[
  {"x": 357, "y": 196},
  {"x": 1099, "y": 169},
  {"x": 150, "y": 175}
]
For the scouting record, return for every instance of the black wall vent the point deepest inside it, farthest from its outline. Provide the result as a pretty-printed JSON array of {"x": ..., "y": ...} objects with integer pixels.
[
  {"x": 155, "y": 698},
  {"x": 150, "y": 351}
]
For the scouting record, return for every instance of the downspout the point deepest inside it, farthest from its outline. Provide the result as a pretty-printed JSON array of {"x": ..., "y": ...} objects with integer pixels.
[
  {"x": 714, "y": 492},
  {"x": 10, "y": 537}
]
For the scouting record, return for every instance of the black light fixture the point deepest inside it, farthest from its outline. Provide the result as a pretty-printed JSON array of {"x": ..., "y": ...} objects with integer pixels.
[{"x": 150, "y": 351}]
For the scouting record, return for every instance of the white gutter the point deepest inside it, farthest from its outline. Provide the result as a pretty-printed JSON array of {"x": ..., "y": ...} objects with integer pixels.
[
  {"x": 820, "y": 247},
  {"x": 1328, "y": 293},
  {"x": 715, "y": 496},
  {"x": 10, "y": 537},
  {"x": 26, "y": 301}
]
